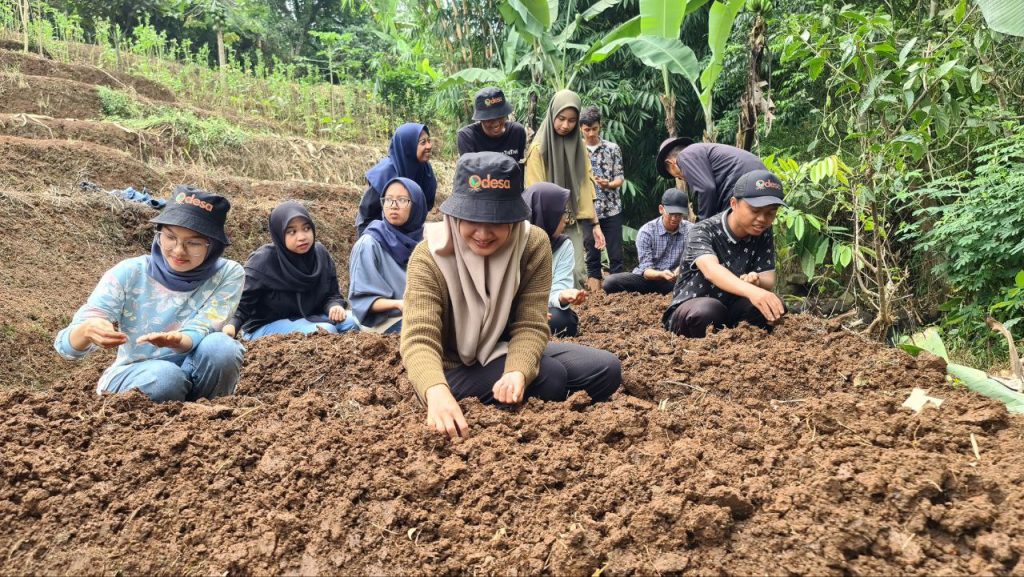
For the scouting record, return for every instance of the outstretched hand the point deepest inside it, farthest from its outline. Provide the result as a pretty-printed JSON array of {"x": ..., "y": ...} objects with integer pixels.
[
  {"x": 572, "y": 296},
  {"x": 444, "y": 414},
  {"x": 172, "y": 339},
  {"x": 102, "y": 333}
]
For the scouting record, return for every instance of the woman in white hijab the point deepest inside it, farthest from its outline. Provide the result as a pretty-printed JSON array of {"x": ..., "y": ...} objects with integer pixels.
[{"x": 476, "y": 305}]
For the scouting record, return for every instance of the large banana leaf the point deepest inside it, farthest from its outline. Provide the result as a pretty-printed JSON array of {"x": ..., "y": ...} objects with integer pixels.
[
  {"x": 1006, "y": 16},
  {"x": 613, "y": 40},
  {"x": 720, "y": 22},
  {"x": 980, "y": 382},
  {"x": 666, "y": 53},
  {"x": 661, "y": 18}
]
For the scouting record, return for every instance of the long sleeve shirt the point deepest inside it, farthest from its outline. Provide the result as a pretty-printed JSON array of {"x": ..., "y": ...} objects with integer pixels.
[
  {"x": 428, "y": 325},
  {"x": 658, "y": 248},
  {"x": 261, "y": 306},
  {"x": 537, "y": 172},
  {"x": 137, "y": 304},
  {"x": 373, "y": 275},
  {"x": 711, "y": 172},
  {"x": 562, "y": 263}
]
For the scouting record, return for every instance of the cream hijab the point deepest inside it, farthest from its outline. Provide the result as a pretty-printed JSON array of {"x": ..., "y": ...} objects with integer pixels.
[{"x": 481, "y": 288}]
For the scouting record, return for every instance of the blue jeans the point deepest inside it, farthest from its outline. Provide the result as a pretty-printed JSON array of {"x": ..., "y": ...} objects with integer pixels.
[
  {"x": 210, "y": 370},
  {"x": 285, "y": 327}
]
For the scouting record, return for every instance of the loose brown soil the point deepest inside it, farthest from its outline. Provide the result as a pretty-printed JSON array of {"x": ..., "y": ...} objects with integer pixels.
[
  {"x": 742, "y": 453},
  {"x": 321, "y": 465},
  {"x": 55, "y": 97},
  {"x": 33, "y": 65}
]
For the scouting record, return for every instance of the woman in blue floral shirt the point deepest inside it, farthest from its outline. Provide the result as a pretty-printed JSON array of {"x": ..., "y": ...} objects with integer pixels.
[{"x": 163, "y": 311}]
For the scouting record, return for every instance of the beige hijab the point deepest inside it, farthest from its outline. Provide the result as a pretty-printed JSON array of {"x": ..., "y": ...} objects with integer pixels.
[{"x": 481, "y": 288}]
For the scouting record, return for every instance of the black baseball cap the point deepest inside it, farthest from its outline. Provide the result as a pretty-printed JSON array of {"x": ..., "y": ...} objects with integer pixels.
[
  {"x": 759, "y": 188},
  {"x": 674, "y": 201},
  {"x": 490, "y": 103},
  {"x": 488, "y": 187},
  {"x": 196, "y": 210}
]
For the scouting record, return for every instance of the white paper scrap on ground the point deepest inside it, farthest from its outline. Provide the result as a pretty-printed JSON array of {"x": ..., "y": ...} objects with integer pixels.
[{"x": 919, "y": 398}]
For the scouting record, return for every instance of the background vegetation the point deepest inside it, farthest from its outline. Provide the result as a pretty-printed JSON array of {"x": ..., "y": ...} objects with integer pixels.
[{"x": 896, "y": 123}]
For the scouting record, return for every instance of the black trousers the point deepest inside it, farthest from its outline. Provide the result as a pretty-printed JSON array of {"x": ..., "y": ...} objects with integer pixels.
[
  {"x": 693, "y": 317},
  {"x": 563, "y": 322},
  {"x": 564, "y": 369},
  {"x": 636, "y": 283},
  {"x": 611, "y": 227}
]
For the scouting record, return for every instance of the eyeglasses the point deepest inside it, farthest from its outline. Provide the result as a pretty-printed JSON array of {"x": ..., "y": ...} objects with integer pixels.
[
  {"x": 192, "y": 246},
  {"x": 424, "y": 140},
  {"x": 396, "y": 202}
]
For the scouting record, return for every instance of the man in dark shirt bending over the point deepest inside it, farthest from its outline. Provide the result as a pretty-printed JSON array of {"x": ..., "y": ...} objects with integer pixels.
[
  {"x": 727, "y": 271},
  {"x": 493, "y": 131},
  {"x": 710, "y": 171}
]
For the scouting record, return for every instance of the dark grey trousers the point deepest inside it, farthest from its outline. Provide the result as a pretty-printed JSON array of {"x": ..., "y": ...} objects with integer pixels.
[{"x": 564, "y": 369}]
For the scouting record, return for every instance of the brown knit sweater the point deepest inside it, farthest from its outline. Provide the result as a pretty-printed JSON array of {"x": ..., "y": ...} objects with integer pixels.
[{"x": 428, "y": 333}]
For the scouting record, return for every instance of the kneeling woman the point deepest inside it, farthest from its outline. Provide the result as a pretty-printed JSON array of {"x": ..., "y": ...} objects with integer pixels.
[
  {"x": 547, "y": 204},
  {"x": 163, "y": 311},
  {"x": 377, "y": 266},
  {"x": 476, "y": 305},
  {"x": 291, "y": 284}
]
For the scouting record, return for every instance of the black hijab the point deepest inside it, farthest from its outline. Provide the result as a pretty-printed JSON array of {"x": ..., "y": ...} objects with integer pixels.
[
  {"x": 547, "y": 205},
  {"x": 274, "y": 267}
]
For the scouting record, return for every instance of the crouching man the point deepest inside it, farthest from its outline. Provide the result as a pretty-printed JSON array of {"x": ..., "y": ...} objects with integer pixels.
[{"x": 727, "y": 271}]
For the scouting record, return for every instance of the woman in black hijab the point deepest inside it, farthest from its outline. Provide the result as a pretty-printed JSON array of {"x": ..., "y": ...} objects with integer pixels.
[
  {"x": 547, "y": 204},
  {"x": 291, "y": 285}
]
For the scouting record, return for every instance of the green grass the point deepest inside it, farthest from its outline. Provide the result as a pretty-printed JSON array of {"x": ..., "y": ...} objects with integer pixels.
[{"x": 202, "y": 134}]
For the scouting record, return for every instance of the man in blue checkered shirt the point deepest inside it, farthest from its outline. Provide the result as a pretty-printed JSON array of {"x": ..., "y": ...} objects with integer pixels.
[{"x": 659, "y": 244}]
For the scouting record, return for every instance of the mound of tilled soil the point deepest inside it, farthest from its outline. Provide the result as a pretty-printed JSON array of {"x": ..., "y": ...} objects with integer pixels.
[
  {"x": 27, "y": 164},
  {"x": 779, "y": 464},
  {"x": 30, "y": 64},
  {"x": 56, "y": 97}
]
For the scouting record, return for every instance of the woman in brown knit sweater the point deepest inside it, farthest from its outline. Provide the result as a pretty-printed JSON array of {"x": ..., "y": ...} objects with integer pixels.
[{"x": 476, "y": 305}]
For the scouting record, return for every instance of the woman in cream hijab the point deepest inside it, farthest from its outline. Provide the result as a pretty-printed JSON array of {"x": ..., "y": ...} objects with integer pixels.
[
  {"x": 476, "y": 297},
  {"x": 559, "y": 156}
]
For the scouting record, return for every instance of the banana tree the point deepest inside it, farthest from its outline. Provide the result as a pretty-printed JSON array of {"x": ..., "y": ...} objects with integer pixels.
[
  {"x": 653, "y": 37},
  {"x": 540, "y": 42}
]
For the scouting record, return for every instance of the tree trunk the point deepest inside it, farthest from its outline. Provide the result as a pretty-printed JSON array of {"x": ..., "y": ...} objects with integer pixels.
[
  {"x": 221, "y": 58},
  {"x": 531, "y": 112},
  {"x": 668, "y": 103},
  {"x": 23, "y": 6},
  {"x": 754, "y": 102}
]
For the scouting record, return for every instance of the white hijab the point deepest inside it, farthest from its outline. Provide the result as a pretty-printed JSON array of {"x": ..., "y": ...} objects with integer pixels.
[{"x": 481, "y": 289}]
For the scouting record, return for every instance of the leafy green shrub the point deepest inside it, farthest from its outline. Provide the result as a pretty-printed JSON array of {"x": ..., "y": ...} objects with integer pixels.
[
  {"x": 118, "y": 104},
  {"x": 976, "y": 220}
]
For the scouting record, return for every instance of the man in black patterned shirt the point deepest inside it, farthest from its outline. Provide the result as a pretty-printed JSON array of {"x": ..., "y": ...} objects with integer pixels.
[{"x": 727, "y": 271}]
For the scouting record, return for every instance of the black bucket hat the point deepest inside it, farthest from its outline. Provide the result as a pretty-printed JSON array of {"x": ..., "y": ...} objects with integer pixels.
[
  {"x": 666, "y": 146},
  {"x": 488, "y": 187},
  {"x": 759, "y": 188},
  {"x": 490, "y": 103},
  {"x": 198, "y": 210}
]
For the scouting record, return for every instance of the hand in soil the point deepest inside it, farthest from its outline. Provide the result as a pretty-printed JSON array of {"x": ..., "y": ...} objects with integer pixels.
[
  {"x": 769, "y": 304},
  {"x": 336, "y": 314},
  {"x": 103, "y": 333},
  {"x": 173, "y": 340},
  {"x": 509, "y": 388},
  {"x": 444, "y": 414},
  {"x": 572, "y": 296}
]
